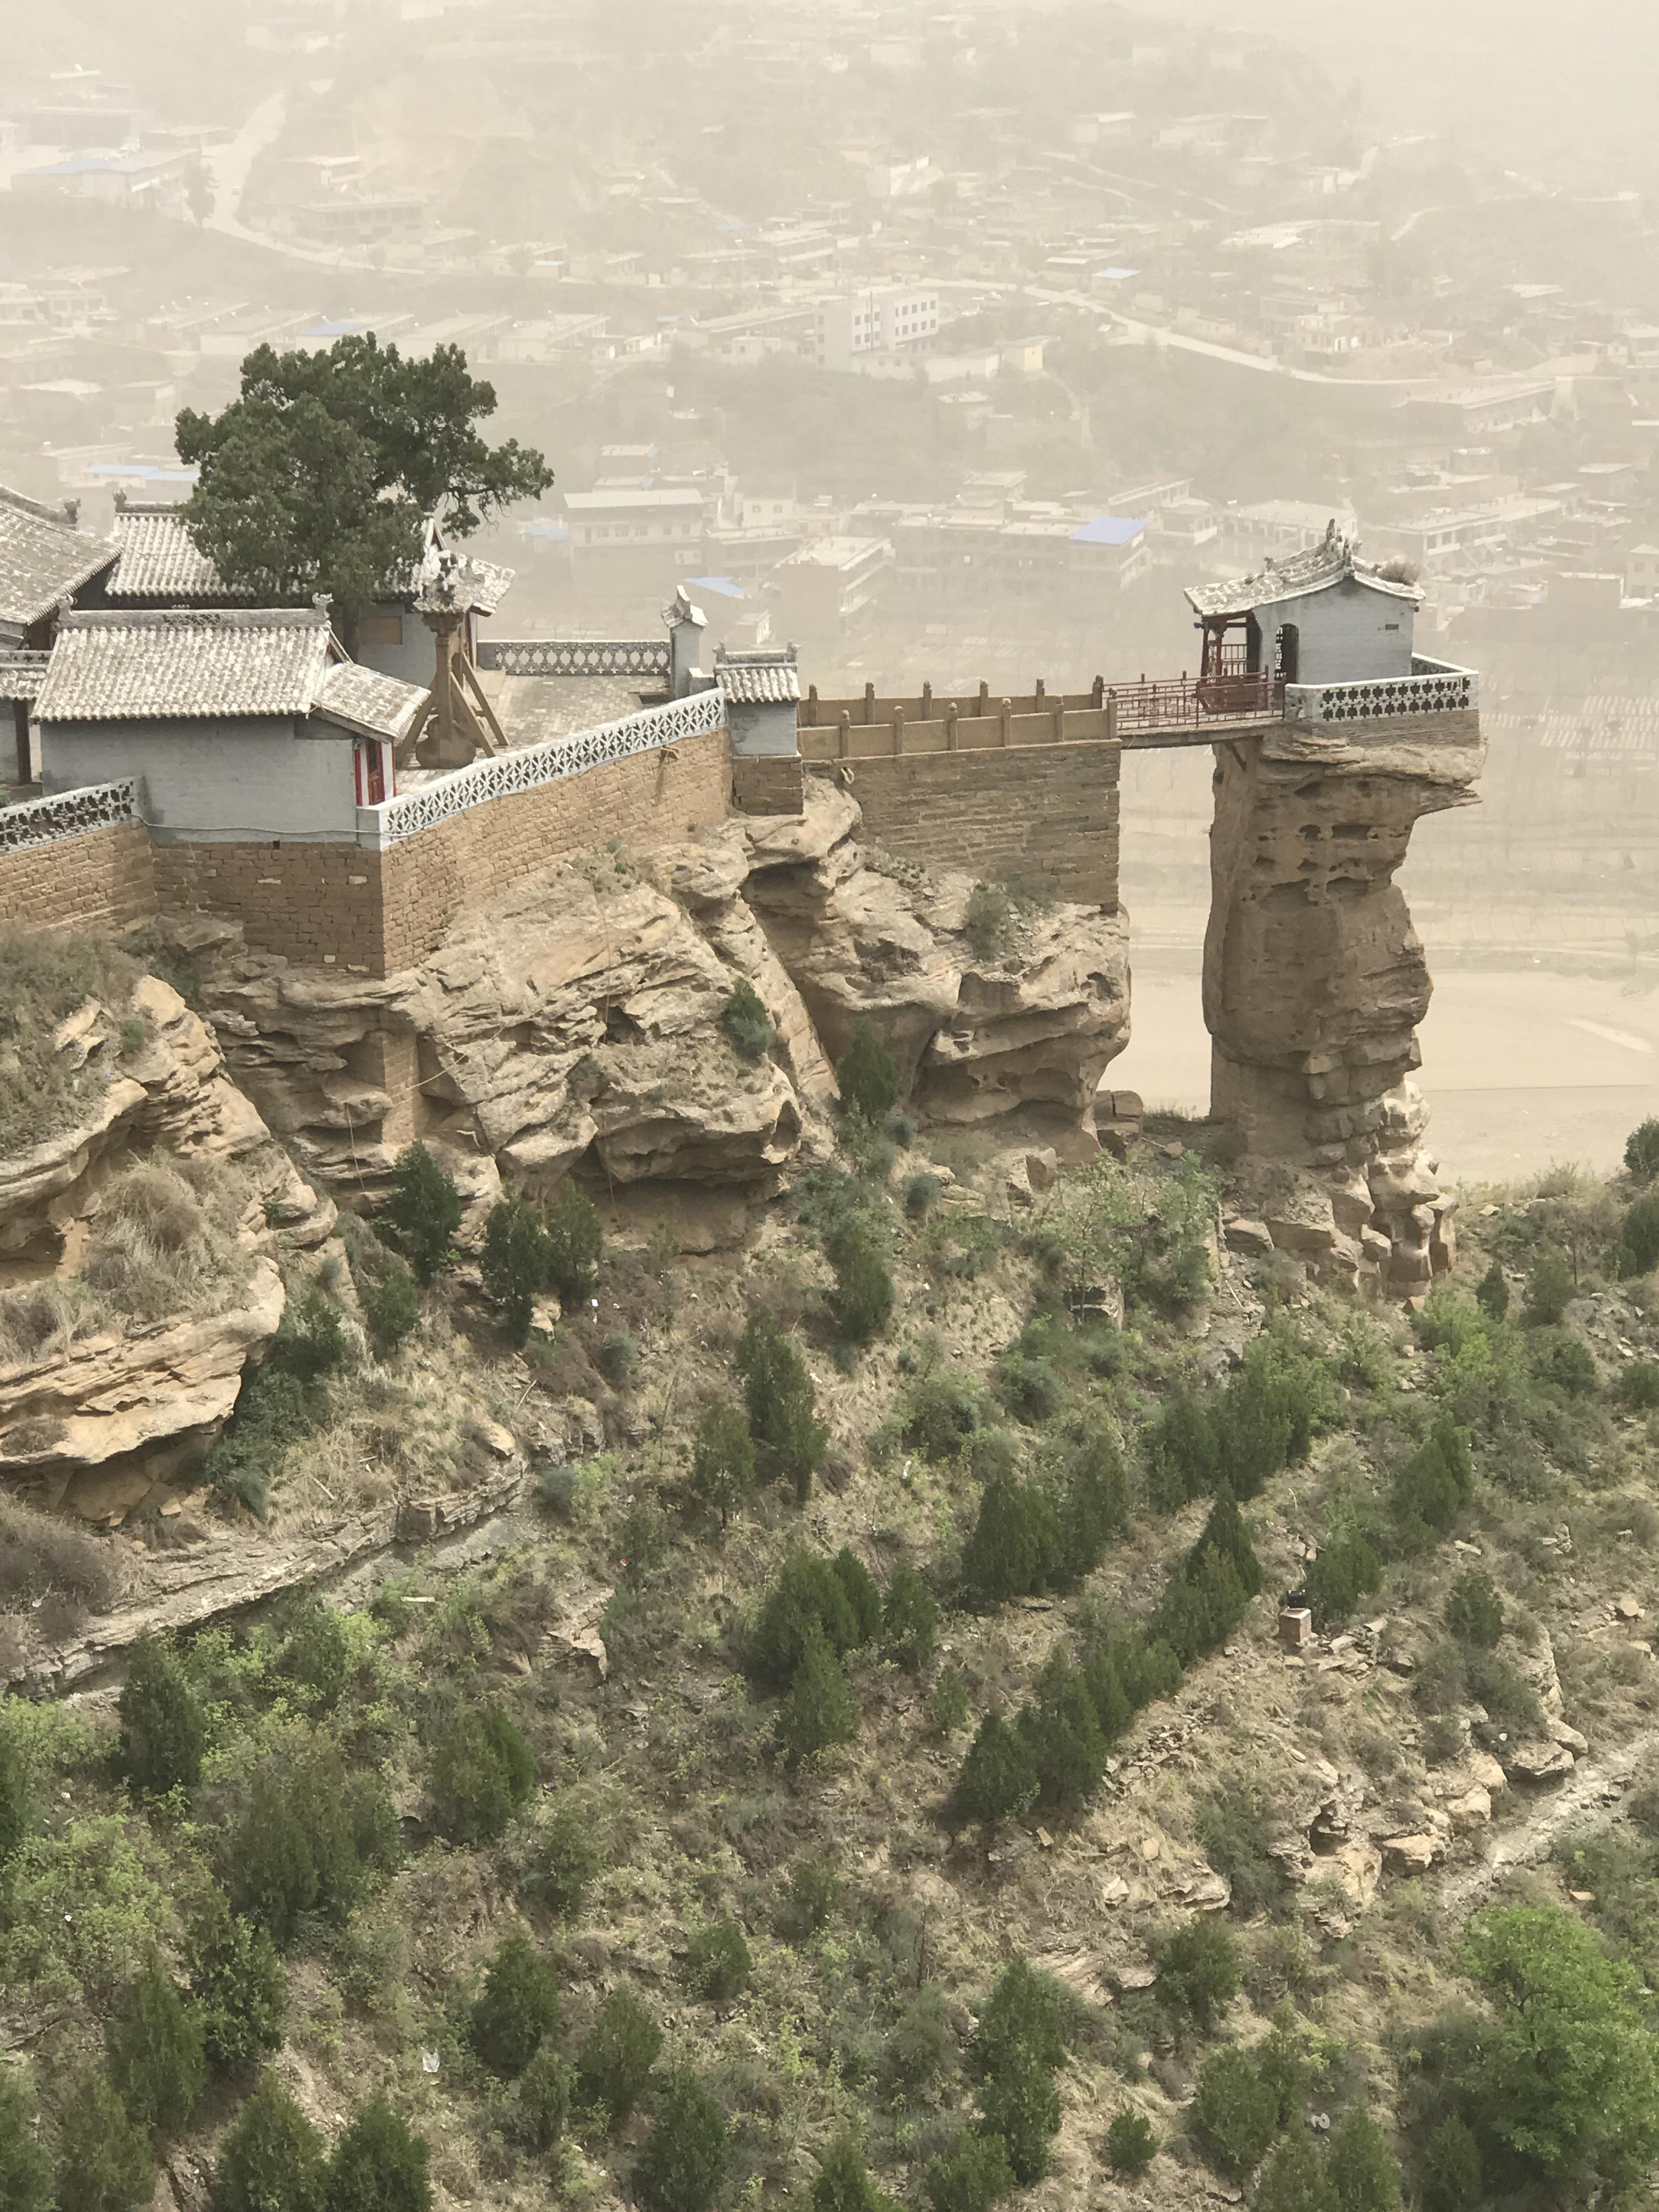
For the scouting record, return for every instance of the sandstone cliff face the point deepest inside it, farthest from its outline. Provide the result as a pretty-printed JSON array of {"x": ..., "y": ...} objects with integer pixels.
[
  {"x": 1315, "y": 982},
  {"x": 98, "y": 1406},
  {"x": 580, "y": 1019}
]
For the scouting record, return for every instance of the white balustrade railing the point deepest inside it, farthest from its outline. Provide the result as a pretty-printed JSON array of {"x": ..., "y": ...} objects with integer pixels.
[
  {"x": 68, "y": 814},
  {"x": 22, "y": 672},
  {"x": 561, "y": 656},
  {"x": 1434, "y": 687},
  {"x": 503, "y": 775}
]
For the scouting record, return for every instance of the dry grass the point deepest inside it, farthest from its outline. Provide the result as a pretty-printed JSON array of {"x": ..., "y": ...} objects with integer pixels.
[
  {"x": 44, "y": 1318},
  {"x": 165, "y": 1240},
  {"x": 43, "y": 979},
  {"x": 49, "y": 1563}
]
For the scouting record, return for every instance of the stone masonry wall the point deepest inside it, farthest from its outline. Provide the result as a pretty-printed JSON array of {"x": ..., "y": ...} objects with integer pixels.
[
  {"x": 1047, "y": 812},
  {"x": 657, "y": 797},
  {"x": 318, "y": 905},
  {"x": 768, "y": 784},
  {"x": 102, "y": 878}
]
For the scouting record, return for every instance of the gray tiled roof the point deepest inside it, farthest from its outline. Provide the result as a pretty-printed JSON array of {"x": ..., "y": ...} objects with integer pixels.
[
  {"x": 182, "y": 664},
  {"x": 1322, "y": 565},
  {"x": 365, "y": 700},
  {"x": 160, "y": 560},
  {"x": 42, "y": 559},
  {"x": 758, "y": 679}
]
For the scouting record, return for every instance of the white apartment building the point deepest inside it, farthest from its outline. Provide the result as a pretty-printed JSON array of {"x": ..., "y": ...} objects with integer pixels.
[{"x": 887, "y": 319}]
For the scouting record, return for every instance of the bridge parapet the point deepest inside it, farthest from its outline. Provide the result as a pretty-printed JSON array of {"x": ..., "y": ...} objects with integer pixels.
[{"x": 1434, "y": 687}]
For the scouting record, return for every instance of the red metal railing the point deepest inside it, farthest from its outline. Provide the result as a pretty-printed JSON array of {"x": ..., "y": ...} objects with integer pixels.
[{"x": 1191, "y": 701}]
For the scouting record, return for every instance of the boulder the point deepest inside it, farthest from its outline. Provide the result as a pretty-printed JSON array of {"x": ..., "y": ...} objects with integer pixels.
[
  {"x": 1410, "y": 1854},
  {"x": 1472, "y": 1810},
  {"x": 1537, "y": 1761}
]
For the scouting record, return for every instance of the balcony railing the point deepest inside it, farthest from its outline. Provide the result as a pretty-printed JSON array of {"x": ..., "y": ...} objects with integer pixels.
[
  {"x": 560, "y": 656},
  {"x": 1192, "y": 701},
  {"x": 68, "y": 814},
  {"x": 1434, "y": 687},
  {"x": 22, "y": 672}
]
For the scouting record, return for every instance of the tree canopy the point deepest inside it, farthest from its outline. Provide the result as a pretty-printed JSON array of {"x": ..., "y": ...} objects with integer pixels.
[{"x": 317, "y": 477}]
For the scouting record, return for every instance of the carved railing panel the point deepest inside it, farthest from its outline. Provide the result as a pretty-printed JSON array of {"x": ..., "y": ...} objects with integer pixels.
[
  {"x": 22, "y": 672},
  {"x": 1436, "y": 687},
  {"x": 558, "y": 656},
  {"x": 68, "y": 814},
  {"x": 506, "y": 774}
]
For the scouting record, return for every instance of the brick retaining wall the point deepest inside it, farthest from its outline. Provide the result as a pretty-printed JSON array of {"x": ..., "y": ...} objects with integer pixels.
[
  {"x": 1046, "y": 812},
  {"x": 317, "y": 904},
  {"x": 768, "y": 784},
  {"x": 101, "y": 878}
]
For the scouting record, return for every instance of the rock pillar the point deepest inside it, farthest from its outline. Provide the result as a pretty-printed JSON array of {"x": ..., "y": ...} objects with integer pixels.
[{"x": 1315, "y": 982}]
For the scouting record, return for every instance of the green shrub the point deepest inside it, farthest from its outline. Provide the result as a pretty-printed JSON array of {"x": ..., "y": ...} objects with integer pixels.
[
  {"x": 969, "y": 2176},
  {"x": 378, "y": 2165},
  {"x": 1638, "y": 1238},
  {"x": 1013, "y": 1550},
  {"x": 271, "y": 2157},
  {"x": 1131, "y": 2146},
  {"x": 518, "y": 2005},
  {"x": 919, "y": 2048},
  {"x": 1030, "y": 1388},
  {"x": 1561, "y": 1361},
  {"x": 390, "y": 1304},
  {"x": 1492, "y": 1293},
  {"x": 273, "y": 1410},
  {"x": 746, "y": 1021},
  {"x": 315, "y": 1654},
  {"x": 723, "y": 1460},
  {"x": 998, "y": 1778},
  {"x": 1297, "y": 2177},
  {"x": 842, "y": 2183},
  {"x": 568, "y": 1856},
  {"x": 1026, "y": 2010},
  {"x": 1347, "y": 1570},
  {"x": 863, "y": 1598},
  {"x": 1638, "y": 1388},
  {"x": 1474, "y": 1611},
  {"x": 1235, "y": 2115},
  {"x": 1179, "y": 1450},
  {"x": 1642, "y": 1151},
  {"x": 239, "y": 1988},
  {"x": 313, "y": 1836},
  {"x": 717, "y": 1965},
  {"x": 104, "y": 2162},
  {"x": 1433, "y": 1486},
  {"x": 1198, "y": 1971},
  {"x": 909, "y": 1621},
  {"x": 920, "y": 1195},
  {"x": 17, "y": 1800},
  {"x": 543, "y": 2100},
  {"x": 25, "y": 2169},
  {"x": 163, "y": 1730},
  {"x": 153, "y": 2048},
  {"x": 1550, "y": 1288},
  {"x": 1364, "y": 2172},
  {"x": 617, "y": 1358},
  {"x": 311, "y": 1342},
  {"x": 1566, "y": 2079},
  {"x": 615, "y": 2058},
  {"x": 806, "y": 1591},
  {"x": 424, "y": 1213},
  {"x": 575, "y": 1244},
  {"x": 866, "y": 1075},
  {"x": 862, "y": 1298},
  {"x": 1092, "y": 1500},
  {"x": 941, "y": 1409},
  {"x": 819, "y": 1709},
  {"x": 1233, "y": 1826},
  {"x": 685, "y": 2157},
  {"x": 1452, "y": 2177},
  {"x": 480, "y": 1773},
  {"x": 515, "y": 1264}
]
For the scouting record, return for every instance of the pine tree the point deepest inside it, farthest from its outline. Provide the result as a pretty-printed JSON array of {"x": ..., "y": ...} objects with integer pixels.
[
  {"x": 154, "y": 2043},
  {"x": 575, "y": 1244},
  {"x": 820, "y": 1709},
  {"x": 379, "y": 2165},
  {"x": 25, "y": 2169},
  {"x": 863, "y": 1598},
  {"x": 271, "y": 2158},
  {"x": 513, "y": 1264},
  {"x": 844, "y": 2184},
  {"x": 866, "y": 1075},
  {"x": 685, "y": 2159},
  {"x": 1014, "y": 1545},
  {"x": 518, "y": 2006},
  {"x": 17, "y": 1800},
  {"x": 781, "y": 1403},
  {"x": 1297, "y": 2177},
  {"x": 999, "y": 1778},
  {"x": 969, "y": 2176},
  {"x": 615, "y": 2059},
  {"x": 423, "y": 1211},
  {"x": 1492, "y": 1293},
  {"x": 543, "y": 2100},
  {"x": 163, "y": 1731},
  {"x": 1062, "y": 1733},
  {"x": 1020, "y": 2103},
  {"x": 909, "y": 1620},
  {"x": 723, "y": 1461},
  {"x": 239, "y": 1988},
  {"x": 104, "y": 2162},
  {"x": 1365, "y": 2171},
  {"x": 805, "y": 1590}
]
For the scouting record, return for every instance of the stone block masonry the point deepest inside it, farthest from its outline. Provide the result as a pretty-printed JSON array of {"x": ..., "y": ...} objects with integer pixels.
[
  {"x": 317, "y": 905},
  {"x": 98, "y": 880},
  {"x": 768, "y": 784},
  {"x": 1046, "y": 813}
]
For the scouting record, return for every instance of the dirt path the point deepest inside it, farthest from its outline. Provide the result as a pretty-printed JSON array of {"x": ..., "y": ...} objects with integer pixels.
[{"x": 1527, "y": 1841}]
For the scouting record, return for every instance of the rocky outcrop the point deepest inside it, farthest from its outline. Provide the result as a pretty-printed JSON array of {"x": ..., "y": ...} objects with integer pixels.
[
  {"x": 100, "y": 1414},
  {"x": 580, "y": 1019},
  {"x": 1315, "y": 983}
]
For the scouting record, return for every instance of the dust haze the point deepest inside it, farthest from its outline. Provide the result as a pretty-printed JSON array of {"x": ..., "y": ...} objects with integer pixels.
[{"x": 951, "y": 343}]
